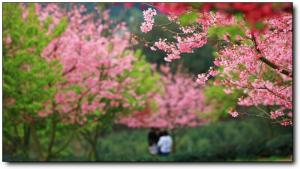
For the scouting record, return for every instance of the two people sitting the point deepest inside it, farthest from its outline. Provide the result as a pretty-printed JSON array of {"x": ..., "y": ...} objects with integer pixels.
[{"x": 160, "y": 142}]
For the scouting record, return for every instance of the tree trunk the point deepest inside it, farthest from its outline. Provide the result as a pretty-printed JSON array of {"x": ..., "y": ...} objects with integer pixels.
[
  {"x": 95, "y": 152},
  {"x": 26, "y": 140},
  {"x": 36, "y": 144},
  {"x": 52, "y": 138}
]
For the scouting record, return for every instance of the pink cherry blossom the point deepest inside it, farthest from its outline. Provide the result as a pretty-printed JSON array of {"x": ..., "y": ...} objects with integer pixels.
[
  {"x": 8, "y": 40},
  {"x": 276, "y": 114},
  {"x": 233, "y": 113},
  {"x": 149, "y": 21},
  {"x": 227, "y": 91},
  {"x": 201, "y": 79}
]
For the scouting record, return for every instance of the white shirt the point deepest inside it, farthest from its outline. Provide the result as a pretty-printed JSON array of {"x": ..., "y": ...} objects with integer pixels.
[{"x": 165, "y": 144}]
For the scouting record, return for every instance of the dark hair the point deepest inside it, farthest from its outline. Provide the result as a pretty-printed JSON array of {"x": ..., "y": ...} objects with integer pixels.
[
  {"x": 164, "y": 133},
  {"x": 153, "y": 129}
]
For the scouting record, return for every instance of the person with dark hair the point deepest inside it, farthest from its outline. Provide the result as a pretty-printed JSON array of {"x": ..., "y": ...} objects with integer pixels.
[
  {"x": 165, "y": 143},
  {"x": 152, "y": 140}
]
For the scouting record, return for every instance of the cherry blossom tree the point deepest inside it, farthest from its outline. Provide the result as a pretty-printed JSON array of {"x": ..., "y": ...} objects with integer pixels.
[
  {"x": 179, "y": 104},
  {"x": 92, "y": 67},
  {"x": 93, "y": 63},
  {"x": 256, "y": 62},
  {"x": 264, "y": 68}
]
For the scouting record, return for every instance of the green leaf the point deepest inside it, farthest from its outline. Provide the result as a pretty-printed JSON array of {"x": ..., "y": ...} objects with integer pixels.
[
  {"x": 219, "y": 31},
  {"x": 259, "y": 25},
  {"x": 188, "y": 18},
  {"x": 60, "y": 28}
]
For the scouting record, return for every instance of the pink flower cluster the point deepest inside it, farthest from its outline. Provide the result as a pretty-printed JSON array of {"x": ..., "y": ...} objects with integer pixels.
[
  {"x": 276, "y": 114},
  {"x": 149, "y": 21},
  {"x": 183, "y": 45},
  {"x": 201, "y": 79},
  {"x": 287, "y": 123}
]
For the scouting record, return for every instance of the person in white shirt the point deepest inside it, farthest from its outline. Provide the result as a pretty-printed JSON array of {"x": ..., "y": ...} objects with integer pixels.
[{"x": 165, "y": 144}]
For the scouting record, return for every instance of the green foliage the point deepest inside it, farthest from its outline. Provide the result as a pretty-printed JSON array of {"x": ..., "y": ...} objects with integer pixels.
[
  {"x": 220, "y": 101},
  {"x": 145, "y": 80},
  {"x": 188, "y": 18},
  {"x": 60, "y": 28},
  {"x": 28, "y": 79},
  {"x": 25, "y": 72},
  {"x": 219, "y": 31},
  {"x": 280, "y": 145},
  {"x": 259, "y": 25},
  {"x": 272, "y": 75}
]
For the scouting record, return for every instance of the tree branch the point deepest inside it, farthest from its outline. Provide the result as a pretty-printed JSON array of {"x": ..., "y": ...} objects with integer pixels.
[
  {"x": 69, "y": 71},
  {"x": 266, "y": 61}
]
